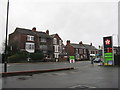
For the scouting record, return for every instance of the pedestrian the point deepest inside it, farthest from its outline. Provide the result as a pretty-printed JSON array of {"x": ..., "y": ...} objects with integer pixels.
[{"x": 92, "y": 60}]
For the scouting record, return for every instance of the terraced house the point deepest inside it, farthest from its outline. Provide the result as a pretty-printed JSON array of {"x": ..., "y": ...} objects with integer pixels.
[{"x": 80, "y": 51}]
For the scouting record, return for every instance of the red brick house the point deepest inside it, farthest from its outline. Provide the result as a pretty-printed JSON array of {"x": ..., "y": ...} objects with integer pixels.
[
  {"x": 31, "y": 41},
  {"x": 80, "y": 51},
  {"x": 76, "y": 50}
]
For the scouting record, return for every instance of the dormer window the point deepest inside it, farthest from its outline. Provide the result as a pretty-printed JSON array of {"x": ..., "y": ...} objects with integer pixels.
[{"x": 30, "y": 38}]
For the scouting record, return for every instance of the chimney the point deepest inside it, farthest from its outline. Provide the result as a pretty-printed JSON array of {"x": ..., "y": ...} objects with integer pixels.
[
  {"x": 90, "y": 44},
  {"x": 80, "y": 42},
  {"x": 68, "y": 42},
  {"x": 34, "y": 29},
  {"x": 47, "y": 32},
  {"x": 99, "y": 46}
]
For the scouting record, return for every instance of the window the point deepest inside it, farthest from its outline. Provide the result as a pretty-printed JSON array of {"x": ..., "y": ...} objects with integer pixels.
[
  {"x": 43, "y": 39},
  {"x": 76, "y": 51},
  {"x": 30, "y": 47},
  {"x": 56, "y": 55},
  {"x": 81, "y": 51},
  {"x": 30, "y": 38},
  {"x": 60, "y": 49},
  {"x": 43, "y": 47},
  {"x": 60, "y": 42},
  {"x": 54, "y": 40},
  {"x": 44, "y": 52},
  {"x": 84, "y": 50},
  {"x": 56, "y": 48}
]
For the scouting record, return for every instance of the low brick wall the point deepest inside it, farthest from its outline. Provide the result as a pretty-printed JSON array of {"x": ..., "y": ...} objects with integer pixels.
[{"x": 6, "y": 74}]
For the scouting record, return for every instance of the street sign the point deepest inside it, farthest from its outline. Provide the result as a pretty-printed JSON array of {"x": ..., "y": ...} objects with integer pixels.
[
  {"x": 108, "y": 50},
  {"x": 72, "y": 59}
]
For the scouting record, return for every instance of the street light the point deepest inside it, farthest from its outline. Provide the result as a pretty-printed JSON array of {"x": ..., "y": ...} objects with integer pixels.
[
  {"x": 117, "y": 38},
  {"x": 5, "y": 60},
  {"x": 117, "y": 42}
]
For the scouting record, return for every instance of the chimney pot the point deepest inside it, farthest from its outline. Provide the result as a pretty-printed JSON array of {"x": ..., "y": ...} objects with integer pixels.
[
  {"x": 80, "y": 42},
  {"x": 68, "y": 42},
  {"x": 47, "y": 32},
  {"x": 34, "y": 29},
  {"x": 90, "y": 44}
]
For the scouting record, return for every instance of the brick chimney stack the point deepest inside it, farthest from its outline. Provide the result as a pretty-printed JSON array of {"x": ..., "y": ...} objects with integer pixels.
[
  {"x": 34, "y": 29},
  {"x": 90, "y": 44},
  {"x": 80, "y": 42},
  {"x": 68, "y": 42},
  {"x": 47, "y": 32}
]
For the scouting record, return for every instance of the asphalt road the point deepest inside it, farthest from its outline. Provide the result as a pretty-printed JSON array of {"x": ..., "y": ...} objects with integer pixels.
[{"x": 84, "y": 75}]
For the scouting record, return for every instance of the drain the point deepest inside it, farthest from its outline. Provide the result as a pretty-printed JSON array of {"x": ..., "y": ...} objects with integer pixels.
[{"x": 82, "y": 86}]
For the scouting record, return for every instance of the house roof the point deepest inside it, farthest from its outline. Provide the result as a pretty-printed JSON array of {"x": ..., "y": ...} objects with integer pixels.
[
  {"x": 43, "y": 34},
  {"x": 89, "y": 47},
  {"x": 53, "y": 35},
  {"x": 83, "y": 46},
  {"x": 29, "y": 32},
  {"x": 77, "y": 46}
]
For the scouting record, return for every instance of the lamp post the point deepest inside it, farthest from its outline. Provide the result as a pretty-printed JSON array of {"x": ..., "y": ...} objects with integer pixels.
[
  {"x": 117, "y": 38},
  {"x": 117, "y": 35},
  {"x": 5, "y": 61}
]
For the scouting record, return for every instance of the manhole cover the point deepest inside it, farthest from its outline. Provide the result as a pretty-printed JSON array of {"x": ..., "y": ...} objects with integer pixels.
[{"x": 82, "y": 86}]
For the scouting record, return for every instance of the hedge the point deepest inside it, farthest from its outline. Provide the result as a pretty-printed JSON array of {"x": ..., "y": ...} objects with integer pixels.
[
  {"x": 17, "y": 58},
  {"x": 35, "y": 57}
]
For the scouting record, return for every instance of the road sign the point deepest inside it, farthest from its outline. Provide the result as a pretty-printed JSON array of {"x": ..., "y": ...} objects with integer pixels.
[
  {"x": 72, "y": 59},
  {"x": 108, "y": 50}
]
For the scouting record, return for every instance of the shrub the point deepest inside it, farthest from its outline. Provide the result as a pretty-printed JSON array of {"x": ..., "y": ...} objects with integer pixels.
[
  {"x": 36, "y": 57},
  {"x": 20, "y": 57}
]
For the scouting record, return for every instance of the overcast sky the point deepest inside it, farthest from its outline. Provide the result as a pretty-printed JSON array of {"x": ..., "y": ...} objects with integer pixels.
[{"x": 75, "y": 20}]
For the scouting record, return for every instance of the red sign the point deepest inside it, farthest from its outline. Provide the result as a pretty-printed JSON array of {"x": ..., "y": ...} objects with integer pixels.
[{"x": 107, "y": 42}]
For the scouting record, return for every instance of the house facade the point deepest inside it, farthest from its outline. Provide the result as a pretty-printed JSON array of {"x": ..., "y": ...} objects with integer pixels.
[
  {"x": 31, "y": 41},
  {"x": 76, "y": 50},
  {"x": 57, "y": 46},
  {"x": 50, "y": 45},
  {"x": 90, "y": 50},
  {"x": 80, "y": 51}
]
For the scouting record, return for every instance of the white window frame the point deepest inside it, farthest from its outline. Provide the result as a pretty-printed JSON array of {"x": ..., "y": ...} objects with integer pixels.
[
  {"x": 30, "y": 47},
  {"x": 54, "y": 40},
  {"x": 76, "y": 50},
  {"x": 43, "y": 47},
  {"x": 60, "y": 42},
  {"x": 30, "y": 38}
]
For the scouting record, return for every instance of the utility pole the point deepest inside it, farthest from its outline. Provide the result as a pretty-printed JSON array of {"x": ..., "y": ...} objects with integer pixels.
[{"x": 6, "y": 52}]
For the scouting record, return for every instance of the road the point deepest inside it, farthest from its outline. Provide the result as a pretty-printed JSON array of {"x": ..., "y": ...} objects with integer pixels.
[{"x": 84, "y": 75}]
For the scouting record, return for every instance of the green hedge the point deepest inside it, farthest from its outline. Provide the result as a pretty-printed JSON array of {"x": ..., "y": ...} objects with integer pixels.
[
  {"x": 23, "y": 56},
  {"x": 17, "y": 58},
  {"x": 35, "y": 57}
]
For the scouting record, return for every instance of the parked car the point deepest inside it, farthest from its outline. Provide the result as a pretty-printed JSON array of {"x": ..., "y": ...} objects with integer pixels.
[{"x": 97, "y": 60}]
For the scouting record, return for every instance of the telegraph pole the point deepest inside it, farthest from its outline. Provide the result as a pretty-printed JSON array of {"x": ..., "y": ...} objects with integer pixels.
[{"x": 6, "y": 52}]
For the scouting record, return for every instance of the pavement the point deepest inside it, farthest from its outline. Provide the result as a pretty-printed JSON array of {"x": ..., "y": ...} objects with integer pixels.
[
  {"x": 84, "y": 75},
  {"x": 14, "y": 69}
]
